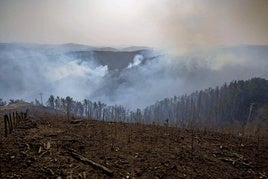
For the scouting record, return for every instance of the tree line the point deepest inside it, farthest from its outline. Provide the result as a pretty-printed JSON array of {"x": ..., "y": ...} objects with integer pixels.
[
  {"x": 88, "y": 109},
  {"x": 217, "y": 106},
  {"x": 221, "y": 105}
]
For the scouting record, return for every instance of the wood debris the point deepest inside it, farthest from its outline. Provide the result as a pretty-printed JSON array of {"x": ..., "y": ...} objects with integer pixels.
[{"x": 90, "y": 162}]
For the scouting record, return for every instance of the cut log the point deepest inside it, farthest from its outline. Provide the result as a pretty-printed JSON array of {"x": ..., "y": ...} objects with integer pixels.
[{"x": 90, "y": 162}]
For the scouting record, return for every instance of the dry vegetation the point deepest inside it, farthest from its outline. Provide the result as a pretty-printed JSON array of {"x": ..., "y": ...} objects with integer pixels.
[{"x": 42, "y": 147}]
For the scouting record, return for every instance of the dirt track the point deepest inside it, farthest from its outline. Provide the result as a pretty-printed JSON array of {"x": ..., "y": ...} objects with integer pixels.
[{"x": 39, "y": 148}]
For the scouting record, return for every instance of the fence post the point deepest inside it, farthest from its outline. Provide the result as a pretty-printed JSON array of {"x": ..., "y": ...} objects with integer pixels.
[
  {"x": 5, "y": 120},
  {"x": 21, "y": 114},
  {"x": 11, "y": 124},
  {"x": 17, "y": 117},
  {"x": 14, "y": 119},
  {"x": 8, "y": 124},
  {"x": 27, "y": 113}
]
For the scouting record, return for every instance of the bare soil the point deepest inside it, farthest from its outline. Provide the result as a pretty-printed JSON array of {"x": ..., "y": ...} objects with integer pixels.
[{"x": 40, "y": 148}]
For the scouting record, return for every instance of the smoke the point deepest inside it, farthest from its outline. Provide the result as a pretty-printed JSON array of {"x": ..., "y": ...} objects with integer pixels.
[
  {"x": 79, "y": 69},
  {"x": 29, "y": 70},
  {"x": 167, "y": 76},
  {"x": 136, "y": 61},
  {"x": 178, "y": 25},
  {"x": 192, "y": 25}
]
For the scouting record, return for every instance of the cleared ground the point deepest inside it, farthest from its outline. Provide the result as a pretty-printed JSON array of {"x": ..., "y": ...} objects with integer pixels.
[{"x": 42, "y": 146}]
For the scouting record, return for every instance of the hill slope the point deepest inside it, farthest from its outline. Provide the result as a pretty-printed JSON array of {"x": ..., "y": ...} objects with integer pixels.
[{"x": 40, "y": 147}]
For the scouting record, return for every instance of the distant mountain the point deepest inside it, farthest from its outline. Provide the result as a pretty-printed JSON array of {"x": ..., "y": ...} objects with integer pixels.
[
  {"x": 134, "y": 48},
  {"x": 112, "y": 57}
]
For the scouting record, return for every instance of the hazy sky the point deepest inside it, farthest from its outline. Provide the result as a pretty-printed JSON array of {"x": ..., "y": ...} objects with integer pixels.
[{"x": 177, "y": 24}]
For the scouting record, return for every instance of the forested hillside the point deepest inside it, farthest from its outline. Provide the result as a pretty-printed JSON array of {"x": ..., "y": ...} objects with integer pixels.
[{"x": 237, "y": 101}]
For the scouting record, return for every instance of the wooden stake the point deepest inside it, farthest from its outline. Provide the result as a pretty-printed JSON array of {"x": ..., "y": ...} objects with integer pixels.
[
  {"x": 5, "y": 119},
  {"x": 17, "y": 116},
  {"x": 14, "y": 119},
  {"x": 8, "y": 124},
  {"x": 11, "y": 124}
]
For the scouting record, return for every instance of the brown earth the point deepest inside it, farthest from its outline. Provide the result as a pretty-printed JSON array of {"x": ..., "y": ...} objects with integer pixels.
[{"x": 42, "y": 146}]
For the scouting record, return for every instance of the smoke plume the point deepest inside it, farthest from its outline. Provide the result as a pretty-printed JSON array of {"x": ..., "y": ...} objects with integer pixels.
[{"x": 28, "y": 70}]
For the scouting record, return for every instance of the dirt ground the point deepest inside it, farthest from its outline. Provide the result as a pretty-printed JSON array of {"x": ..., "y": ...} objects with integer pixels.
[{"x": 42, "y": 146}]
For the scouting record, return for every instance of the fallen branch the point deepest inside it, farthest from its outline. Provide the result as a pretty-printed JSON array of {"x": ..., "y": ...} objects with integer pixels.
[
  {"x": 76, "y": 121},
  {"x": 92, "y": 163},
  {"x": 47, "y": 170},
  {"x": 28, "y": 147},
  {"x": 236, "y": 163},
  {"x": 228, "y": 160},
  {"x": 237, "y": 160},
  {"x": 42, "y": 154},
  {"x": 229, "y": 154}
]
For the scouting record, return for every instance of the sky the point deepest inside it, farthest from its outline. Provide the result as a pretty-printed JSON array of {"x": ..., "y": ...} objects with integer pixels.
[{"x": 178, "y": 25}]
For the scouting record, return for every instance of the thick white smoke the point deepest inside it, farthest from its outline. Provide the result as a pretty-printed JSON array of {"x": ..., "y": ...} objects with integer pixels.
[
  {"x": 136, "y": 61},
  {"x": 31, "y": 70},
  {"x": 28, "y": 71}
]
